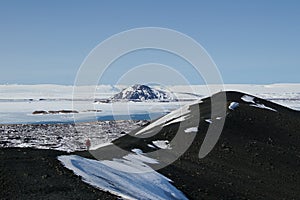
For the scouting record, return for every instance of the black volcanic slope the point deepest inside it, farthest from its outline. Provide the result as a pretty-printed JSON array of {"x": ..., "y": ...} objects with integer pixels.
[
  {"x": 256, "y": 157},
  {"x": 36, "y": 174}
]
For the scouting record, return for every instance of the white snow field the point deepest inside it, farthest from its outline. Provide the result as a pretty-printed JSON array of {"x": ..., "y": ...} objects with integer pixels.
[
  {"x": 139, "y": 181},
  {"x": 18, "y": 102}
]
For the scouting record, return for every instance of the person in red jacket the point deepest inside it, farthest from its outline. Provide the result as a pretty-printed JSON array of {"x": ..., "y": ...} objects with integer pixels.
[{"x": 88, "y": 144}]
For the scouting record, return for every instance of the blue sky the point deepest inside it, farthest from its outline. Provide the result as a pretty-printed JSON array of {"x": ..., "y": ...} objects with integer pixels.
[{"x": 255, "y": 42}]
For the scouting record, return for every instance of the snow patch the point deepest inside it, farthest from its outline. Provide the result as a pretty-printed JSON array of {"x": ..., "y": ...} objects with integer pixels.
[
  {"x": 263, "y": 107},
  {"x": 151, "y": 146},
  {"x": 137, "y": 151},
  {"x": 192, "y": 129},
  {"x": 163, "y": 144},
  {"x": 100, "y": 174},
  {"x": 233, "y": 105},
  {"x": 172, "y": 115},
  {"x": 248, "y": 99},
  {"x": 180, "y": 119},
  {"x": 209, "y": 121}
]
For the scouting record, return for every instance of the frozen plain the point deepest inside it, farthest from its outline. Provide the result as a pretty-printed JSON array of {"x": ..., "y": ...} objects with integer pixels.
[{"x": 18, "y": 102}]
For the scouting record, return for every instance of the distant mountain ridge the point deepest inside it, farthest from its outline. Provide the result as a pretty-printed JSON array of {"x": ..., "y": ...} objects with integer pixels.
[{"x": 140, "y": 92}]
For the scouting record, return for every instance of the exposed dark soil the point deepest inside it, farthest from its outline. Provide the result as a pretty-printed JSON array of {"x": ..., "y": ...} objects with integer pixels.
[{"x": 37, "y": 174}]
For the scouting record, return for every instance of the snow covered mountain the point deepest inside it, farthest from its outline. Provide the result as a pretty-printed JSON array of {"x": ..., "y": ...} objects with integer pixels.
[{"x": 139, "y": 92}]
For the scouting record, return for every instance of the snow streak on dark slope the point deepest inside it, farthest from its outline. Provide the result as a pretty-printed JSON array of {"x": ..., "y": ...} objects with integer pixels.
[
  {"x": 256, "y": 157},
  {"x": 143, "y": 93}
]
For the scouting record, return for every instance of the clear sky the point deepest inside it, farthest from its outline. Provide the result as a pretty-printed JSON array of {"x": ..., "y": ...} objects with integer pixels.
[{"x": 255, "y": 41}]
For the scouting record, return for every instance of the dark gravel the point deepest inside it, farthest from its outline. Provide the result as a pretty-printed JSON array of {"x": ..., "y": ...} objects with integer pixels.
[{"x": 37, "y": 174}]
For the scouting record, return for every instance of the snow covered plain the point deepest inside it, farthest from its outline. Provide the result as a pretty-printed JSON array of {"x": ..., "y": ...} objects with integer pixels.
[{"x": 18, "y": 102}]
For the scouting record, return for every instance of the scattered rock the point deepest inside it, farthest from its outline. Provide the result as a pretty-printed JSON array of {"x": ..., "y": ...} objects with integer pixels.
[{"x": 39, "y": 112}]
